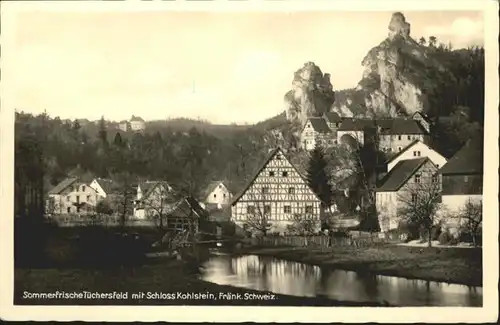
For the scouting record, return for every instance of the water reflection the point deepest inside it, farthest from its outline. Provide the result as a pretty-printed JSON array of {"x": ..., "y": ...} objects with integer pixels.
[{"x": 285, "y": 277}]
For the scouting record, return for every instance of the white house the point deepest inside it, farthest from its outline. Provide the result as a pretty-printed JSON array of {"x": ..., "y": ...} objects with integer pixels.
[
  {"x": 275, "y": 195},
  {"x": 72, "y": 196},
  {"x": 463, "y": 179},
  {"x": 217, "y": 193},
  {"x": 316, "y": 131},
  {"x": 417, "y": 149},
  {"x": 137, "y": 123},
  {"x": 398, "y": 183},
  {"x": 152, "y": 197},
  {"x": 103, "y": 187}
]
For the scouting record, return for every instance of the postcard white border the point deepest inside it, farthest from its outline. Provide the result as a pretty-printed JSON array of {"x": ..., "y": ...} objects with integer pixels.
[{"x": 487, "y": 313}]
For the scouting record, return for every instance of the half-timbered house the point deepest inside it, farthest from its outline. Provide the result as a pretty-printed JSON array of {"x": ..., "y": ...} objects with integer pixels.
[{"x": 276, "y": 195}]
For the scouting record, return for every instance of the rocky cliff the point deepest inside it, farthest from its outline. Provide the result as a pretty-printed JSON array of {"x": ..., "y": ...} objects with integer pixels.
[
  {"x": 395, "y": 81},
  {"x": 395, "y": 75},
  {"x": 311, "y": 94}
]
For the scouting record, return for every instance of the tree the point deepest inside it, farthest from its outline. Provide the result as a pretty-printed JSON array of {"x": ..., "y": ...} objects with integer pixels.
[
  {"x": 303, "y": 225},
  {"x": 422, "y": 41},
  {"x": 432, "y": 41},
  {"x": 470, "y": 219},
  {"x": 123, "y": 200},
  {"x": 318, "y": 178},
  {"x": 103, "y": 133},
  {"x": 159, "y": 204},
  {"x": 103, "y": 207},
  {"x": 258, "y": 214},
  {"x": 419, "y": 204},
  {"x": 118, "y": 142}
]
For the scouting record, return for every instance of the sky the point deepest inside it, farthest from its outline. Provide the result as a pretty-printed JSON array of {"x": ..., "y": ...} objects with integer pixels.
[{"x": 218, "y": 66}]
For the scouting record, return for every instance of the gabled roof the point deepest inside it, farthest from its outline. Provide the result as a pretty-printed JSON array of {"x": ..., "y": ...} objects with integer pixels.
[
  {"x": 264, "y": 164},
  {"x": 392, "y": 158},
  {"x": 148, "y": 186},
  {"x": 136, "y": 119},
  {"x": 186, "y": 206},
  {"x": 211, "y": 187},
  {"x": 400, "y": 174},
  {"x": 394, "y": 126},
  {"x": 63, "y": 185},
  {"x": 467, "y": 160},
  {"x": 319, "y": 125},
  {"x": 107, "y": 185},
  {"x": 423, "y": 115},
  {"x": 333, "y": 117}
]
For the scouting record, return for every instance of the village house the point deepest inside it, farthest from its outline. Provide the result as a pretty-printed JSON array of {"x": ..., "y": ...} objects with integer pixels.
[
  {"x": 462, "y": 179},
  {"x": 187, "y": 214},
  {"x": 124, "y": 126},
  {"x": 153, "y": 197},
  {"x": 217, "y": 193},
  {"x": 416, "y": 149},
  {"x": 73, "y": 196},
  {"x": 316, "y": 132},
  {"x": 103, "y": 187},
  {"x": 333, "y": 120},
  {"x": 276, "y": 194},
  {"x": 393, "y": 134},
  {"x": 407, "y": 177},
  {"x": 137, "y": 124}
]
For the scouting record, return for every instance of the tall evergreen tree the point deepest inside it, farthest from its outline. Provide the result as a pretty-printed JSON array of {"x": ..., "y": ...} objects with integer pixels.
[
  {"x": 118, "y": 141},
  {"x": 103, "y": 133},
  {"x": 317, "y": 176}
]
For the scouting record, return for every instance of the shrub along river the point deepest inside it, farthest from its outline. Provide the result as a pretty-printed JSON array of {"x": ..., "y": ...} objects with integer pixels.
[{"x": 270, "y": 274}]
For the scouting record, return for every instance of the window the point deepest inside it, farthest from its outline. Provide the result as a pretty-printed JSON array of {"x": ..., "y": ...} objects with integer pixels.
[
  {"x": 285, "y": 174},
  {"x": 399, "y": 148},
  {"x": 434, "y": 178},
  {"x": 265, "y": 190},
  {"x": 291, "y": 190},
  {"x": 399, "y": 137},
  {"x": 250, "y": 209},
  {"x": 83, "y": 188},
  {"x": 437, "y": 165},
  {"x": 278, "y": 157},
  {"x": 224, "y": 195},
  {"x": 309, "y": 209},
  {"x": 418, "y": 153},
  {"x": 414, "y": 153},
  {"x": 68, "y": 209},
  {"x": 267, "y": 209},
  {"x": 414, "y": 197},
  {"x": 77, "y": 209},
  {"x": 78, "y": 199},
  {"x": 409, "y": 137},
  {"x": 287, "y": 209},
  {"x": 88, "y": 198},
  {"x": 271, "y": 174},
  {"x": 215, "y": 196},
  {"x": 417, "y": 178},
  {"x": 68, "y": 198}
]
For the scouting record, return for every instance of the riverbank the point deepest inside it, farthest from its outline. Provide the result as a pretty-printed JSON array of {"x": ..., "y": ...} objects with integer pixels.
[
  {"x": 164, "y": 282},
  {"x": 451, "y": 265}
]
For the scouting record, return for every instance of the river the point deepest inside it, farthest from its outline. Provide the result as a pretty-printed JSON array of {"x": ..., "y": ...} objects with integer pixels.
[{"x": 270, "y": 274}]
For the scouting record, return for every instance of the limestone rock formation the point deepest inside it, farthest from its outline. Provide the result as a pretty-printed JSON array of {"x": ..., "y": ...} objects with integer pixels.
[
  {"x": 393, "y": 78},
  {"x": 311, "y": 94}
]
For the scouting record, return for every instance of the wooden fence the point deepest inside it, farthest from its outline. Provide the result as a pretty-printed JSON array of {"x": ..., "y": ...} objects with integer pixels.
[
  {"x": 320, "y": 241},
  {"x": 107, "y": 221}
]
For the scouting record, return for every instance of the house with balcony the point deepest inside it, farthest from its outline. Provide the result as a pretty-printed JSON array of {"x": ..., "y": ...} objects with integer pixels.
[{"x": 73, "y": 196}]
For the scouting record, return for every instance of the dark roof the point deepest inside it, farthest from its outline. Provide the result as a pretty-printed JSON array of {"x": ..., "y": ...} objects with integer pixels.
[
  {"x": 398, "y": 176},
  {"x": 136, "y": 118},
  {"x": 107, "y": 185},
  {"x": 333, "y": 117},
  {"x": 406, "y": 148},
  {"x": 319, "y": 125},
  {"x": 388, "y": 126},
  {"x": 63, "y": 185},
  {"x": 423, "y": 115},
  {"x": 148, "y": 186},
  {"x": 264, "y": 164},
  {"x": 186, "y": 206},
  {"x": 467, "y": 160}
]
